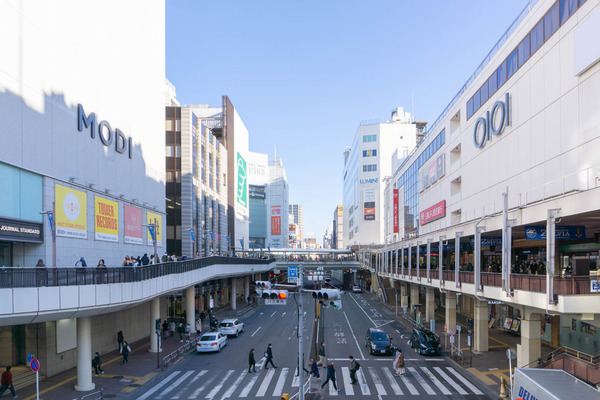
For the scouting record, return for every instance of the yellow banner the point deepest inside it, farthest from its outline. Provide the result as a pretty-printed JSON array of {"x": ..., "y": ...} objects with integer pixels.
[
  {"x": 106, "y": 219},
  {"x": 150, "y": 217},
  {"x": 71, "y": 212}
]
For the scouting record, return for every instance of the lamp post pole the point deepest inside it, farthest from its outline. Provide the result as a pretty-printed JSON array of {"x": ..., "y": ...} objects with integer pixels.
[{"x": 52, "y": 219}]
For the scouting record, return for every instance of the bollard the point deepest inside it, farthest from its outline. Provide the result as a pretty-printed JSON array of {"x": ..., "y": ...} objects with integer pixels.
[
  {"x": 502, "y": 390},
  {"x": 285, "y": 396}
]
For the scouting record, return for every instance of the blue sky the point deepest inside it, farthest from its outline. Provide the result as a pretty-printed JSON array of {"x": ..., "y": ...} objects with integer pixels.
[{"x": 303, "y": 74}]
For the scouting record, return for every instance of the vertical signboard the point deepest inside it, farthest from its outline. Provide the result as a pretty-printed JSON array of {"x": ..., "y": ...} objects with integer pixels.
[
  {"x": 150, "y": 218},
  {"x": 369, "y": 205},
  {"x": 106, "y": 219},
  {"x": 242, "y": 183},
  {"x": 395, "y": 210},
  {"x": 275, "y": 220},
  {"x": 133, "y": 225},
  {"x": 71, "y": 212}
]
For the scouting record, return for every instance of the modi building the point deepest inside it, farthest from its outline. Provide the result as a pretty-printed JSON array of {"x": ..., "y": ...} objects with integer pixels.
[{"x": 506, "y": 183}]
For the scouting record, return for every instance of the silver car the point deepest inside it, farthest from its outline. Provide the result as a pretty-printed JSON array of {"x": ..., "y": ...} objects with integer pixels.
[{"x": 231, "y": 327}]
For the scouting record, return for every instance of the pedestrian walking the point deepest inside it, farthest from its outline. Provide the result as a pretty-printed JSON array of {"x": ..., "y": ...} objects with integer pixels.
[
  {"x": 354, "y": 366},
  {"x": 322, "y": 359},
  {"x": 202, "y": 317},
  {"x": 399, "y": 362},
  {"x": 172, "y": 328},
  {"x": 7, "y": 382},
  {"x": 120, "y": 340},
  {"x": 251, "y": 362},
  {"x": 298, "y": 366},
  {"x": 330, "y": 376},
  {"x": 180, "y": 330},
  {"x": 198, "y": 327},
  {"x": 165, "y": 328},
  {"x": 314, "y": 368},
  {"x": 125, "y": 352},
  {"x": 81, "y": 262},
  {"x": 97, "y": 364},
  {"x": 188, "y": 332},
  {"x": 269, "y": 357}
]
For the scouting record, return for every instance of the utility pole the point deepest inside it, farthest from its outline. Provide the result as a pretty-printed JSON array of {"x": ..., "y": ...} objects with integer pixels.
[{"x": 300, "y": 334}]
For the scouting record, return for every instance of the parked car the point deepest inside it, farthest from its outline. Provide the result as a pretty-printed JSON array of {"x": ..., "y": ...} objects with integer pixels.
[
  {"x": 379, "y": 342},
  {"x": 356, "y": 289},
  {"x": 231, "y": 327},
  {"x": 211, "y": 341},
  {"x": 423, "y": 341}
]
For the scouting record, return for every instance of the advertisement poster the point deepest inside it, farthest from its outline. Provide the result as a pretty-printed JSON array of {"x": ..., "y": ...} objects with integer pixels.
[
  {"x": 242, "y": 183},
  {"x": 71, "y": 212},
  {"x": 150, "y": 218},
  {"x": 133, "y": 225},
  {"x": 276, "y": 220},
  {"x": 106, "y": 219},
  {"x": 395, "y": 210}
]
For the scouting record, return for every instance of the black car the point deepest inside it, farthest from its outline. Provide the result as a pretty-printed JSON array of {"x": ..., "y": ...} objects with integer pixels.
[
  {"x": 423, "y": 341},
  {"x": 378, "y": 342}
]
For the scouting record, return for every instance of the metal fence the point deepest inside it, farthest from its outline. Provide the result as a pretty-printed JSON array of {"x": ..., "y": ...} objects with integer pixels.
[{"x": 74, "y": 276}]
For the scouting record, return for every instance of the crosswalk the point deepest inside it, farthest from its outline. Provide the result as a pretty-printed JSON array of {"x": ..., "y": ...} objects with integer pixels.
[{"x": 372, "y": 380}]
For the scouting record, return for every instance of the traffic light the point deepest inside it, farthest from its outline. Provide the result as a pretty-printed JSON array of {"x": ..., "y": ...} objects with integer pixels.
[
  {"x": 157, "y": 324},
  {"x": 275, "y": 297},
  {"x": 263, "y": 284},
  {"x": 470, "y": 323},
  {"x": 326, "y": 297}
]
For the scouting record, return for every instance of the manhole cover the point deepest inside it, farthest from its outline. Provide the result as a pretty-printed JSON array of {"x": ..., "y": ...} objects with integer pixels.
[
  {"x": 118, "y": 377},
  {"x": 135, "y": 385},
  {"x": 110, "y": 396}
]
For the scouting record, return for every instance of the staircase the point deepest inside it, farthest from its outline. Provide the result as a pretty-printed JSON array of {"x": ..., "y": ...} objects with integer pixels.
[
  {"x": 23, "y": 376},
  {"x": 581, "y": 365},
  {"x": 388, "y": 290}
]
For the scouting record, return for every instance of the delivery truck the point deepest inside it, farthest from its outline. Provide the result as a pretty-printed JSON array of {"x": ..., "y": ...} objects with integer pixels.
[{"x": 550, "y": 384}]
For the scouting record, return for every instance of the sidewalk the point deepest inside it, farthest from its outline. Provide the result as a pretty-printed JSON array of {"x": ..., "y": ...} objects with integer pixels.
[{"x": 117, "y": 379}]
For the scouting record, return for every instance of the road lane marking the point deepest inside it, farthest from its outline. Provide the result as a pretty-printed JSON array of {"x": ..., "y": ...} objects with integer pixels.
[
  {"x": 237, "y": 382},
  {"x": 348, "y": 389},
  {"x": 256, "y": 331},
  {"x": 436, "y": 381},
  {"x": 175, "y": 384},
  {"x": 201, "y": 388},
  {"x": 413, "y": 390},
  {"x": 219, "y": 386},
  {"x": 464, "y": 380},
  {"x": 421, "y": 381},
  {"x": 280, "y": 382},
  {"x": 363, "y": 383},
  {"x": 295, "y": 382},
  {"x": 265, "y": 383},
  {"x": 275, "y": 312},
  {"x": 158, "y": 386},
  {"x": 249, "y": 386},
  {"x": 201, "y": 373},
  {"x": 393, "y": 383},
  {"x": 363, "y": 310},
  {"x": 377, "y": 382},
  {"x": 455, "y": 385},
  {"x": 362, "y": 356}
]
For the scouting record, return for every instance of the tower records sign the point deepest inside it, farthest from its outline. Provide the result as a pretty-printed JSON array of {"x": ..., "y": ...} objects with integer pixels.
[{"x": 493, "y": 123}]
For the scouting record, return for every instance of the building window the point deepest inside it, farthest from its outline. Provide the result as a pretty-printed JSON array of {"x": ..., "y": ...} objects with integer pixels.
[
  {"x": 369, "y": 138},
  {"x": 567, "y": 8},
  {"x": 511, "y": 63},
  {"x": 524, "y": 51},
  {"x": 370, "y": 168},
  {"x": 536, "y": 37},
  {"x": 551, "y": 21},
  {"x": 369, "y": 153}
]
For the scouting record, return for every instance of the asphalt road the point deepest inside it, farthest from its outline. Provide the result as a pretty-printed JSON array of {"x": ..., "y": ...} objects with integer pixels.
[{"x": 225, "y": 375}]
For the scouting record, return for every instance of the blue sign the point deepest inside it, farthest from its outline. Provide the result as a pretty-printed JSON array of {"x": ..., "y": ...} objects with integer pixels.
[
  {"x": 151, "y": 230},
  {"x": 228, "y": 240},
  {"x": 488, "y": 241},
  {"x": 595, "y": 286},
  {"x": 35, "y": 365},
  {"x": 192, "y": 235},
  {"x": 50, "y": 219},
  {"x": 292, "y": 271},
  {"x": 565, "y": 232},
  {"x": 29, "y": 357},
  {"x": 242, "y": 243},
  {"x": 211, "y": 235}
]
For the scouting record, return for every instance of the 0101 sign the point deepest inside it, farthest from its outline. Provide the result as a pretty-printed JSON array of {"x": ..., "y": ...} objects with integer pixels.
[{"x": 493, "y": 123}]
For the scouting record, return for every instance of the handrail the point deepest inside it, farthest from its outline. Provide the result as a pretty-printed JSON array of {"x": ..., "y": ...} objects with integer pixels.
[
  {"x": 73, "y": 276},
  {"x": 562, "y": 351},
  {"x": 178, "y": 352}
]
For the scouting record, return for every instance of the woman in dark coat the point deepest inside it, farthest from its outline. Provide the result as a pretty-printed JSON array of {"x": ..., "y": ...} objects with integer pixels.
[{"x": 251, "y": 361}]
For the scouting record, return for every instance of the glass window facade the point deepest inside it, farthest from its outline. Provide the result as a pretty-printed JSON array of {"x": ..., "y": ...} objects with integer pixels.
[
  {"x": 370, "y": 168},
  {"x": 21, "y": 194},
  {"x": 369, "y": 153},
  {"x": 369, "y": 138}
]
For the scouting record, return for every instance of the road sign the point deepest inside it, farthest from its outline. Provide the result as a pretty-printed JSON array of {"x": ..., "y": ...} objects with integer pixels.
[
  {"x": 29, "y": 357},
  {"x": 292, "y": 271},
  {"x": 511, "y": 354},
  {"x": 35, "y": 365},
  {"x": 352, "y": 270},
  {"x": 458, "y": 328}
]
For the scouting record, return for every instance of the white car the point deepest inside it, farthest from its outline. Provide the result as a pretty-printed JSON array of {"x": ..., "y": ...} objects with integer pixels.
[
  {"x": 356, "y": 289},
  {"x": 231, "y": 327},
  {"x": 211, "y": 341}
]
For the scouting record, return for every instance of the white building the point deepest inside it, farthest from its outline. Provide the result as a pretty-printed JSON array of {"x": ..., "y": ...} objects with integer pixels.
[
  {"x": 269, "y": 201},
  {"x": 297, "y": 215},
  {"x": 366, "y": 163},
  {"x": 513, "y": 157}
]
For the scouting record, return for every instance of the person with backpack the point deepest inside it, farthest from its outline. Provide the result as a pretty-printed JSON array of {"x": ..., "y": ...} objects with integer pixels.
[
  {"x": 269, "y": 357},
  {"x": 399, "y": 362},
  {"x": 330, "y": 376},
  {"x": 97, "y": 364},
  {"x": 354, "y": 366}
]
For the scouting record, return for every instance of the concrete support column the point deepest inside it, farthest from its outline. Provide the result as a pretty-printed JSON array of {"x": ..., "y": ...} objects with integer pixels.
[
  {"x": 247, "y": 288},
  {"x": 84, "y": 355},
  {"x": 234, "y": 294},
  {"x": 480, "y": 325},
  {"x": 450, "y": 311},
  {"x": 404, "y": 295},
  {"x": 190, "y": 307},
  {"x": 414, "y": 295},
  {"x": 530, "y": 348},
  {"x": 430, "y": 304},
  {"x": 154, "y": 315}
]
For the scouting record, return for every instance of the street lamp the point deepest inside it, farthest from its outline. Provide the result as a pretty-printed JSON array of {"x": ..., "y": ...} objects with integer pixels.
[{"x": 51, "y": 215}]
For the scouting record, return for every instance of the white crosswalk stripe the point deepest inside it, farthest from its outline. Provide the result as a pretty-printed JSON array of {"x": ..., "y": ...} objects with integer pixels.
[
  {"x": 296, "y": 378},
  {"x": 464, "y": 380},
  {"x": 382, "y": 381},
  {"x": 377, "y": 382}
]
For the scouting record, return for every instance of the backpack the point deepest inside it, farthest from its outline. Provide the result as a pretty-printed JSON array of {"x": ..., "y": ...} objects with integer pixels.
[
  {"x": 357, "y": 365},
  {"x": 266, "y": 354}
]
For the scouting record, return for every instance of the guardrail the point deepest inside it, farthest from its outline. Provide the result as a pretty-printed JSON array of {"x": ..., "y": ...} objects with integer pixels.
[
  {"x": 98, "y": 395},
  {"x": 74, "y": 276},
  {"x": 169, "y": 358}
]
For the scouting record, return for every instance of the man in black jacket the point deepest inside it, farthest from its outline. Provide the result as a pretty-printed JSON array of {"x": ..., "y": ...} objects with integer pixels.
[{"x": 269, "y": 356}]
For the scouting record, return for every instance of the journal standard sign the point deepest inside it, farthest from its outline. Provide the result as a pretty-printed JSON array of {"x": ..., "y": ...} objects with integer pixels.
[{"x": 493, "y": 123}]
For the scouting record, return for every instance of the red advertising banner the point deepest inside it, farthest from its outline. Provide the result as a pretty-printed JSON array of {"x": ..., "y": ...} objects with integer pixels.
[
  {"x": 276, "y": 225},
  {"x": 395, "y": 210},
  {"x": 434, "y": 212},
  {"x": 133, "y": 225}
]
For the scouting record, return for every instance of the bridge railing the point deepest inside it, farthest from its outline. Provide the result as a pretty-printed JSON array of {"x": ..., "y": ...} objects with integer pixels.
[{"x": 74, "y": 276}]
